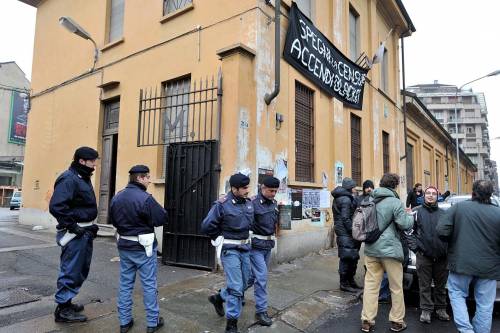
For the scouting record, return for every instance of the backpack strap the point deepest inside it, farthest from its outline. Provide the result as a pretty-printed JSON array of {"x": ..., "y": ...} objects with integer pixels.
[{"x": 376, "y": 201}]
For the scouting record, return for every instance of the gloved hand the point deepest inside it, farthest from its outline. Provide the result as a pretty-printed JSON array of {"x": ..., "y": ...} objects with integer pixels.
[
  {"x": 76, "y": 229},
  {"x": 93, "y": 229}
]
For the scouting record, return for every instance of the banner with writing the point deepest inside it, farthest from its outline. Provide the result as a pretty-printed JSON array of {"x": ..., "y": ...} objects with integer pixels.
[{"x": 312, "y": 54}]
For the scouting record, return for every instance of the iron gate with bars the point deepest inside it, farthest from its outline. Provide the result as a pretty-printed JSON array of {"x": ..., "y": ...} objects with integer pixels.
[{"x": 185, "y": 117}]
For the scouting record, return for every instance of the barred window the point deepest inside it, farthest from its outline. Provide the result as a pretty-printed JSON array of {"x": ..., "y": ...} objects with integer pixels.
[
  {"x": 356, "y": 148},
  {"x": 385, "y": 152},
  {"x": 170, "y": 6},
  {"x": 304, "y": 133},
  {"x": 176, "y": 115}
]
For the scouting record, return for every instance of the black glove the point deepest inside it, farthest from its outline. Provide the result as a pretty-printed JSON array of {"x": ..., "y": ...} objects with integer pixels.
[
  {"x": 76, "y": 229},
  {"x": 93, "y": 229}
]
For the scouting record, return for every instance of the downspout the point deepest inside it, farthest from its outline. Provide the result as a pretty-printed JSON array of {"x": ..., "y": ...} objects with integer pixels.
[
  {"x": 447, "y": 171},
  {"x": 269, "y": 97},
  {"x": 405, "y": 110}
]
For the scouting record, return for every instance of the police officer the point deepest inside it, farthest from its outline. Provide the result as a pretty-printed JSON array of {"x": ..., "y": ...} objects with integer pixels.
[
  {"x": 263, "y": 240},
  {"x": 228, "y": 224},
  {"x": 135, "y": 213},
  {"x": 74, "y": 206}
]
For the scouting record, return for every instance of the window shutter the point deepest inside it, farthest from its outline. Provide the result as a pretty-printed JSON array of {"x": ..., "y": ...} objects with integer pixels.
[{"x": 304, "y": 133}]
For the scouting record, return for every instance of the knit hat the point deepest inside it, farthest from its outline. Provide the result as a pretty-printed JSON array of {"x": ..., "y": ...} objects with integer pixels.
[{"x": 348, "y": 183}]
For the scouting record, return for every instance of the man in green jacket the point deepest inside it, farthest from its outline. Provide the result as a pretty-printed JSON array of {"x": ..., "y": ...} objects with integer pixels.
[
  {"x": 386, "y": 254},
  {"x": 472, "y": 229}
]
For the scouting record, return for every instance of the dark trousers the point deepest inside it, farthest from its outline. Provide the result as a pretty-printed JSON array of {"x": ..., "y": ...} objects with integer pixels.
[
  {"x": 75, "y": 265},
  {"x": 428, "y": 270},
  {"x": 347, "y": 269}
]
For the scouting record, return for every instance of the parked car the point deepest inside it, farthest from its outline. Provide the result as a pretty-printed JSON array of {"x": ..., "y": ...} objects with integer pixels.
[
  {"x": 410, "y": 280},
  {"x": 16, "y": 200}
]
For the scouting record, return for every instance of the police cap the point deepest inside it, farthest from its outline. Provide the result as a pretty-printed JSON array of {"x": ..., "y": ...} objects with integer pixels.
[
  {"x": 139, "y": 169},
  {"x": 271, "y": 182},
  {"x": 85, "y": 153},
  {"x": 239, "y": 180}
]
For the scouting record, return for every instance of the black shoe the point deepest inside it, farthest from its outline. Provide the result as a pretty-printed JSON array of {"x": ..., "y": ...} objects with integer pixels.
[
  {"x": 347, "y": 288},
  {"x": 354, "y": 285},
  {"x": 77, "y": 307},
  {"x": 127, "y": 327},
  {"x": 68, "y": 315},
  {"x": 157, "y": 327},
  {"x": 218, "y": 304},
  {"x": 232, "y": 326},
  {"x": 263, "y": 319}
]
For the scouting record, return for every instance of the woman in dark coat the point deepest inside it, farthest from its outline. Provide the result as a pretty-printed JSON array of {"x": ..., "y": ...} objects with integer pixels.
[
  {"x": 415, "y": 196},
  {"x": 343, "y": 208}
]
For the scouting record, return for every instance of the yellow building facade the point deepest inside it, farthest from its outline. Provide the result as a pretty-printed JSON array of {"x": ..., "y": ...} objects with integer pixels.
[{"x": 164, "y": 73}]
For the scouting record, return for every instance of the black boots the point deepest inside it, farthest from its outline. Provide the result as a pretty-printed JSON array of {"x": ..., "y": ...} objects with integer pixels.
[
  {"x": 65, "y": 313},
  {"x": 232, "y": 326},
  {"x": 126, "y": 328},
  {"x": 346, "y": 286},
  {"x": 353, "y": 284},
  {"x": 263, "y": 319},
  {"x": 218, "y": 304},
  {"x": 157, "y": 327}
]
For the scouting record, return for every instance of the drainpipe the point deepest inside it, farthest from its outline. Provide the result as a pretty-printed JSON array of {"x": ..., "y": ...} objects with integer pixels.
[
  {"x": 405, "y": 109},
  {"x": 269, "y": 97}
]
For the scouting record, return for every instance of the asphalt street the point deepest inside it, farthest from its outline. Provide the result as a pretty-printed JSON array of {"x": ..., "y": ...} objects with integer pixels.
[
  {"x": 349, "y": 321},
  {"x": 29, "y": 263}
]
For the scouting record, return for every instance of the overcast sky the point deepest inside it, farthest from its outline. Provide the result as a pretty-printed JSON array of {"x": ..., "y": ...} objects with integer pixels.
[{"x": 455, "y": 42}]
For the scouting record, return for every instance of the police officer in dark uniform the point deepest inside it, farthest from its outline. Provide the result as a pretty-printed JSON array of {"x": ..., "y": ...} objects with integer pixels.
[
  {"x": 74, "y": 206},
  {"x": 134, "y": 212},
  {"x": 263, "y": 240},
  {"x": 228, "y": 224}
]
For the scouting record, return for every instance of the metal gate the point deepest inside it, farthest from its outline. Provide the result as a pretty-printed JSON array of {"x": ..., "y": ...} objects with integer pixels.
[
  {"x": 186, "y": 119},
  {"x": 192, "y": 182}
]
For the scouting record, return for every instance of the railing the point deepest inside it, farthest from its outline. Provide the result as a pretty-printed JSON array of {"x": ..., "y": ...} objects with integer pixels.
[{"x": 180, "y": 113}]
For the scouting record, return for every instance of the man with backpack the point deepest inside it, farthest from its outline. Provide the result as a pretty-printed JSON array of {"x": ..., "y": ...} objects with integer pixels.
[
  {"x": 343, "y": 207},
  {"x": 384, "y": 252}
]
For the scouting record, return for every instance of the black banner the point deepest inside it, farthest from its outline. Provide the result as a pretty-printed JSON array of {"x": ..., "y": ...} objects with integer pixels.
[{"x": 312, "y": 54}]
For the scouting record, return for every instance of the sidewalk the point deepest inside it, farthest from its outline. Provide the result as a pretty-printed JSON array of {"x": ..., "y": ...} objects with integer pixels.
[{"x": 301, "y": 292}]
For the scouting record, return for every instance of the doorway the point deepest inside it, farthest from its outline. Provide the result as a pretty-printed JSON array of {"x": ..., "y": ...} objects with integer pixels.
[{"x": 107, "y": 185}]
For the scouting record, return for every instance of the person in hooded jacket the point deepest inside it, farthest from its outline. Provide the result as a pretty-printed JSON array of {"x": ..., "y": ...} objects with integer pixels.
[
  {"x": 431, "y": 257},
  {"x": 343, "y": 208},
  {"x": 74, "y": 206}
]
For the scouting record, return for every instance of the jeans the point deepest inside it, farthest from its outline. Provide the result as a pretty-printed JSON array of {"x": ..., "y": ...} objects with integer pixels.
[
  {"x": 484, "y": 294},
  {"x": 130, "y": 263},
  {"x": 375, "y": 268},
  {"x": 74, "y": 268},
  {"x": 384, "y": 293},
  {"x": 237, "y": 269},
  {"x": 259, "y": 259}
]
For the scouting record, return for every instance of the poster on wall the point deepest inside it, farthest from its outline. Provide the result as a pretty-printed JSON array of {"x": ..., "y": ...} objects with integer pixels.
[
  {"x": 312, "y": 54},
  {"x": 339, "y": 173},
  {"x": 296, "y": 196},
  {"x": 311, "y": 204},
  {"x": 18, "y": 119}
]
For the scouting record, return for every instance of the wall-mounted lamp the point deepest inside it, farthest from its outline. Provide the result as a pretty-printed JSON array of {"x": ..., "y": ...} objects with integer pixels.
[
  {"x": 279, "y": 120},
  {"x": 72, "y": 26}
]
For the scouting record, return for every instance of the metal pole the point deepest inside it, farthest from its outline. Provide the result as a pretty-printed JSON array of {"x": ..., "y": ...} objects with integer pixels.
[{"x": 277, "y": 57}]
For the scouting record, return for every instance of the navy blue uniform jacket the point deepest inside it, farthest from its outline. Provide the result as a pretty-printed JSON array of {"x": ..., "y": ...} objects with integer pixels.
[
  {"x": 266, "y": 218},
  {"x": 73, "y": 200},
  {"x": 133, "y": 212},
  {"x": 231, "y": 218}
]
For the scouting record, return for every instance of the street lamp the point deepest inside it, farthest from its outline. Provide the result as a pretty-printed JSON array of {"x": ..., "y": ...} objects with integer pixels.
[
  {"x": 70, "y": 25},
  {"x": 459, "y": 182}
]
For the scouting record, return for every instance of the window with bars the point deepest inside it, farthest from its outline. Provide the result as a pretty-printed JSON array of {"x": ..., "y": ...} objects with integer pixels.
[
  {"x": 170, "y": 6},
  {"x": 304, "y": 133},
  {"x": 176, "y": 115},
  {"x": 116, "y": 14},
  {"x": 385, "y": 152},
  {"x": 356, "y": 148}
]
